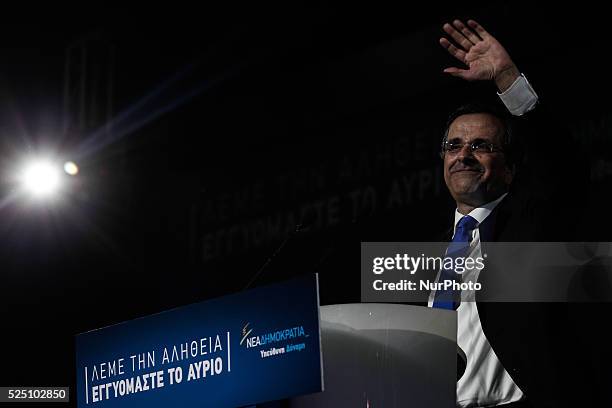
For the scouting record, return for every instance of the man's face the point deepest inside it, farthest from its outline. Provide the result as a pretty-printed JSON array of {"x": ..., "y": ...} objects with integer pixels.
[{"x": 475, "y": 178}]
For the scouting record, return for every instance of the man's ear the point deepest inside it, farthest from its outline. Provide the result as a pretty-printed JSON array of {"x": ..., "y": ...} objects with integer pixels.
[{"x": 510, "y": 173}]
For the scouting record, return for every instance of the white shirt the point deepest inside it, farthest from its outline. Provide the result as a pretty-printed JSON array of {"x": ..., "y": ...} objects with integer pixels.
[{"x": 485, "y": 381}]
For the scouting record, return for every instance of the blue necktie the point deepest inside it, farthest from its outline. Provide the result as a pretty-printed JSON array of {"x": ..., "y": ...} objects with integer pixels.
[{"x": 459, "y": 247}]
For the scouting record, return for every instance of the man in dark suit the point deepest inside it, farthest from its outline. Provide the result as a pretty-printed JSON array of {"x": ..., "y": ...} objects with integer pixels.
[
  {"x": 520, "y": 179},
  {"x": 518, "y": 354}
]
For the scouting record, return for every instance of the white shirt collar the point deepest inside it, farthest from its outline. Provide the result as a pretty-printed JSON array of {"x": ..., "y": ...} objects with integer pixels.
[{"x": 480, "y": 213}]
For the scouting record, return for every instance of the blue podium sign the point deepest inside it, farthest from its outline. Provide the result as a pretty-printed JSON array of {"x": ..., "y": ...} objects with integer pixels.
[{"x": 254, "y": 346}]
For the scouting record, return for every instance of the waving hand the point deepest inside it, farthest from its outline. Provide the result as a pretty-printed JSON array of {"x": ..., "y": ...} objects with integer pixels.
[{"x": 485, "y": 57}]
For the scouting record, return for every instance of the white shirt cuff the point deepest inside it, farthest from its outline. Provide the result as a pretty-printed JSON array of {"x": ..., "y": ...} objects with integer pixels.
[{"x": 520, "y": 98}]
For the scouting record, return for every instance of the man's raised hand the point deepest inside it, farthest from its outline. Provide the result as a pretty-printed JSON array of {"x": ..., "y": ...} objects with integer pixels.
[{"x": 485, "y": 57}]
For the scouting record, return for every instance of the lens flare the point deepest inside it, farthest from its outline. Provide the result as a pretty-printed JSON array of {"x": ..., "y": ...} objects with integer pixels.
[
  {"x": 71, "y": 168},
  {"x": 40, "y": 178}
]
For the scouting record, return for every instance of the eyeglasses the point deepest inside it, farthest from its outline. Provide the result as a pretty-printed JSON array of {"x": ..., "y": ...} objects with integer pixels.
[{"x": 477, "y": 146}]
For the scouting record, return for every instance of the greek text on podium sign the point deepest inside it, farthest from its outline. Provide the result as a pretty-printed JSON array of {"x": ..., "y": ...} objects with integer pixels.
[{"x": 254, "y": 346}]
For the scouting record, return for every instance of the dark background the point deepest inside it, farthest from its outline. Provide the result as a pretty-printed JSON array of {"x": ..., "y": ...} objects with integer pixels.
[{"x": 206, "y": 135}]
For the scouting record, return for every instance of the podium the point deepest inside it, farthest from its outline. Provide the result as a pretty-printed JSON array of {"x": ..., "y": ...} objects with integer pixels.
[{"x": 386, "y": 355}]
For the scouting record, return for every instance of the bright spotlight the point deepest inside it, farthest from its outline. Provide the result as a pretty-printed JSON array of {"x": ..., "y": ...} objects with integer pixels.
[
  {"x": 40, "y": 178},
  {"x": 71, "y": 168}
]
